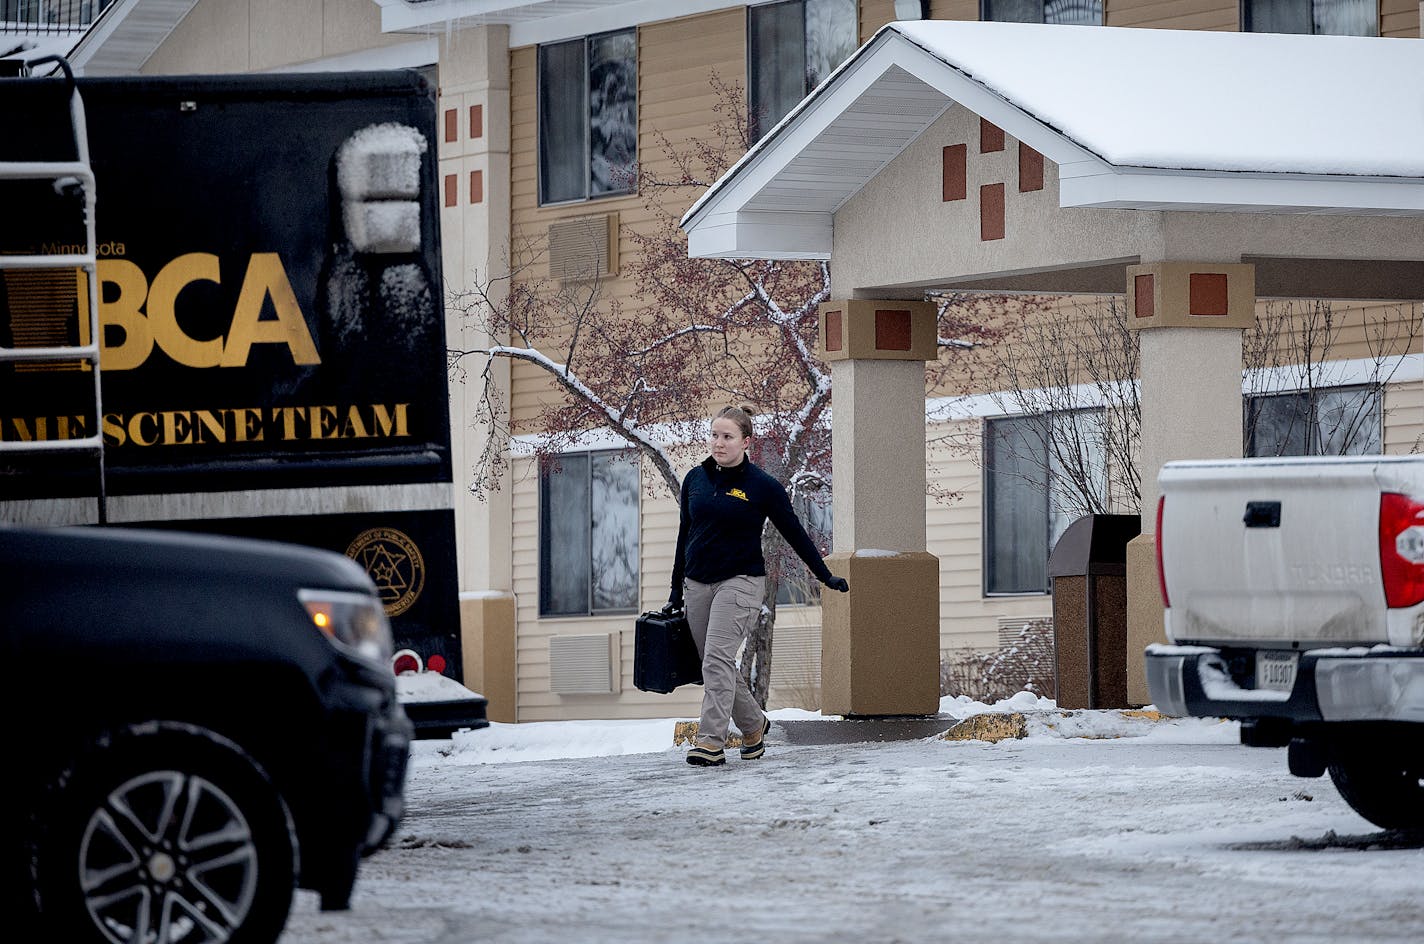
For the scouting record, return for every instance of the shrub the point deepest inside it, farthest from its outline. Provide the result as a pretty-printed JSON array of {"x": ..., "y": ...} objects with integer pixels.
[{"x": 1024, "y": 665}]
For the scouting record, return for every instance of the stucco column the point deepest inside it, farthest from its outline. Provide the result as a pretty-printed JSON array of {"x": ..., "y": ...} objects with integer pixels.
[
  {"x": 1190, "y": 317},
  {"x": 473, "y": 126},
  {"x": 880, "y": 642}
]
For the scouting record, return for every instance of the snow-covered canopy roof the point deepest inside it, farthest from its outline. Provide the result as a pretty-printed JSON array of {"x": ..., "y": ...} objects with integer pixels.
[{"x": 1135, "y": 118}]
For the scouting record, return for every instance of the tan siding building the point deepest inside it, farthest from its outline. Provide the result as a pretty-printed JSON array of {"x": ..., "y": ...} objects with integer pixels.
[{"x": 488, "y": 65}]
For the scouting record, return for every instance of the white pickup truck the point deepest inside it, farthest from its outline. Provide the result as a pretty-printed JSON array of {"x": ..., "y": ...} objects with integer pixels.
[{"x": 1295, "y": 603}]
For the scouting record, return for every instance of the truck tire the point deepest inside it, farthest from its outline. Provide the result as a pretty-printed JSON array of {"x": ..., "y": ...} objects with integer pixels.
[
  {"x": 167, "y": 832},
  {"x": 1387, "y": 791}
]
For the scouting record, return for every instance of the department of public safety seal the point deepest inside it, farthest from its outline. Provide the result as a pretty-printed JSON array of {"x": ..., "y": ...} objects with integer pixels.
[{"x": 394, "y": 563}]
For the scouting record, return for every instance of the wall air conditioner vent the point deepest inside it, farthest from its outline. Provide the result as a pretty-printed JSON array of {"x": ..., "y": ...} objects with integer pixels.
[
  {"x": 584, "y": 248},
  {"x": 1011, "y": 627},
  {"x": 581, "y": 665}
]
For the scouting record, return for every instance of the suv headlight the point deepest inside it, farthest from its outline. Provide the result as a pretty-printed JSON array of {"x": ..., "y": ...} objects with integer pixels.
[{"x": 352, "y": 620}]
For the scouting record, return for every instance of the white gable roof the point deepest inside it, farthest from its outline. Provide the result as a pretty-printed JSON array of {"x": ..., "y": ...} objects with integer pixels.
[{"x": 1135, "y": 118}]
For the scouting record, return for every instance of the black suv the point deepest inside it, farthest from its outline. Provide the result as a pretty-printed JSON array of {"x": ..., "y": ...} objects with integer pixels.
[{"x": 196, "y": 725}]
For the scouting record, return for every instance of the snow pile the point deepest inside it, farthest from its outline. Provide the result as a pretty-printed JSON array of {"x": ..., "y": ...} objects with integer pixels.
[
  {"x": 548, "y": 740},
  {"x": 430, "y": 686},
  {"x": 1042, "y": 718},
  {"x": 960, "y": 707},
  {"x": 1131, "y": 724},
  {"x": 560, "y": 740}
]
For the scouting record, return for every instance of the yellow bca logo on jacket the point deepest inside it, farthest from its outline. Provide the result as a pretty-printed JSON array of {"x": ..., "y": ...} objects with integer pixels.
[{"x": 738, "y": 493}]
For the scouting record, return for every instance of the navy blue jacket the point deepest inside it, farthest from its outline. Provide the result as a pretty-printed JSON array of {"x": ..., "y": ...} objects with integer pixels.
[{"x": 723, "y": 511}]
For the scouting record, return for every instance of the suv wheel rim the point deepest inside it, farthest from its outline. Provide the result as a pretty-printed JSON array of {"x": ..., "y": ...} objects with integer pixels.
[{"x": 168, "y": 857}]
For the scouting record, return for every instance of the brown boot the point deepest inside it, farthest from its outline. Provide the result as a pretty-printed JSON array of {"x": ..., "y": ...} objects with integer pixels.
[{"x": 752, "y": 749}]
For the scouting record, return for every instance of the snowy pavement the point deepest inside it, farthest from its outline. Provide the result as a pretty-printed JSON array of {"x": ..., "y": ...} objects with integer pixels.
[{"x": 1173, "y": 833}]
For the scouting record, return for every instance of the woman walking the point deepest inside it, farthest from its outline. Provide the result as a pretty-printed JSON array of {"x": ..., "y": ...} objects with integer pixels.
[{"x": 720, "y": 576}]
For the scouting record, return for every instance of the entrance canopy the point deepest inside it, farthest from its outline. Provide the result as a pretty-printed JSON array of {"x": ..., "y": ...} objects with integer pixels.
[{"x": 1128, "y": 119}]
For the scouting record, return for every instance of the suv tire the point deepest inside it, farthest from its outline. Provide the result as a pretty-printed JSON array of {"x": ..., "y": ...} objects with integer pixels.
[{"x": 164, "y": 827}]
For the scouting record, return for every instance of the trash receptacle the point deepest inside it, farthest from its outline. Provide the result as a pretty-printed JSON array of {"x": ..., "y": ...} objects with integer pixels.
[{"x": 1088, "y": 568}]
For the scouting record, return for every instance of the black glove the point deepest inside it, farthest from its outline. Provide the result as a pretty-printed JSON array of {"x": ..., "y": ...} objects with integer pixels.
[
  {"x": 671, "y": 607},
  {"x": 838, "y": 583}
]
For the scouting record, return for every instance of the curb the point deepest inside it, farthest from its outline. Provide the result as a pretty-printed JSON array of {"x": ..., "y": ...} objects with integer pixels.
[{"x": 990, "y": 727}]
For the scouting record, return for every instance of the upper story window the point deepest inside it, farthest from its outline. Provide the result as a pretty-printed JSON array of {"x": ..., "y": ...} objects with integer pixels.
[
  {"x": 588, "y": 117},
  {"x": 1327, "y": 17},
  {"x": 1062, "y": 12},
  {"x": 588, "y": 533},
  {"x": 791, "y": 47},
  {"x": 1336, "y": 421}
]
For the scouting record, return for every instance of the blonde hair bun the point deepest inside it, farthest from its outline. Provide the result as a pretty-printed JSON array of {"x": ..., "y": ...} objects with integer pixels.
[{"x": 741, "y": 415}]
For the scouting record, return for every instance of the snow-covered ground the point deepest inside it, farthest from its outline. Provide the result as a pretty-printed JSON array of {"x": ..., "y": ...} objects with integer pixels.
[{"x": 1096, "y": 827}]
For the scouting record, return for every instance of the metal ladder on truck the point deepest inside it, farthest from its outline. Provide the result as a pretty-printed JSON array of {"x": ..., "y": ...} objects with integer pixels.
[{"x": 61, "y": 172}]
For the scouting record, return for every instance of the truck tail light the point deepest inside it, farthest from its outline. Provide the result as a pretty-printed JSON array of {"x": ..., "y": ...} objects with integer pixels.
[
  {"x": 1401, "y": 548},
  {"x": 406, "y": 660},
  {"x": 1161, "y": 571}
]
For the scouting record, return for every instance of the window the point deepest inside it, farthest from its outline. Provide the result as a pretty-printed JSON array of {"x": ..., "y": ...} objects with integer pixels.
[
  {"x": 797, "y": 585},
  {"x": 1063, "y": 12},
  {"x": 1040, "y": 474},
  {"x": 588, "y": 117},
  {"x": 588, "y": 533},
  {"x": 791, "y": 47},
  {"x": 1329, "y": 17},
  {"x": 1339, "y": 421}
]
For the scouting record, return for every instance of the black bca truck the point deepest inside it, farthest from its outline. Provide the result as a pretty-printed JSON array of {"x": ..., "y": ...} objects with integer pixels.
[{"x": 221, "y": 311}]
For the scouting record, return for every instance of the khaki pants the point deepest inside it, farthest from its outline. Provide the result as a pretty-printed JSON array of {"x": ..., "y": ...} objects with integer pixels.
[{"x": 721, "y": 615}]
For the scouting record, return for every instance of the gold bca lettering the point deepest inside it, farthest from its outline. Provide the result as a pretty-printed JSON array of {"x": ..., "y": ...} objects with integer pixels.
[{"x": 148, "y": 314}]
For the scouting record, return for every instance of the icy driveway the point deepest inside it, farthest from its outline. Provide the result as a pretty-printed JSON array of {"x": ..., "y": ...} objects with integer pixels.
[{"x": 1045, "y": 839}]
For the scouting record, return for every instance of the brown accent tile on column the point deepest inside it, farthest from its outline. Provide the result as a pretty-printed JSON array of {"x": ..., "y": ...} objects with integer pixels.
[
  {"x": 991, "y": 212},
  {"x": 452, "y": 125},
  {"x": 452, "y": 190},
  {"x": 1030, "y": 169},
  {"x": 835, "y": 339},
  {"x": 477, "y": 121},
  {"x": 477, "y": 186},
  {"x": 892, "y": 329},
  {"x": 991, "y": 137},
  {"x": 955, "y": 176},
  {"x": 1206, "y": 293},
  {"x": 1144, "y": 296}
]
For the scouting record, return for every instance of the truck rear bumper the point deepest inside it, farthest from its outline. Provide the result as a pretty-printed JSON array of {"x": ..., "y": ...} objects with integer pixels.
[{"x": 1358, "y": 684}]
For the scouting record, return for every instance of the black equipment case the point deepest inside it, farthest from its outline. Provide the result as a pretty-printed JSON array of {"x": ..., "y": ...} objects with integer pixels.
[{"x": 664, "y": 654}]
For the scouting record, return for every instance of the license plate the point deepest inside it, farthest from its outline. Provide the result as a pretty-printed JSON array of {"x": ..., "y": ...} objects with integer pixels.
[{"x": 1275, "y": 671}]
